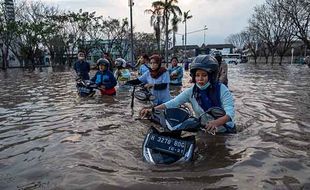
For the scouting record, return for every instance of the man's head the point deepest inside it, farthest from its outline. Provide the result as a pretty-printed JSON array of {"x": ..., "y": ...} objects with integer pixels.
[
  {"x": 217, "y": 55},
  {"x": 81, "y": 55},
  {"x": 145, "y": 58}
]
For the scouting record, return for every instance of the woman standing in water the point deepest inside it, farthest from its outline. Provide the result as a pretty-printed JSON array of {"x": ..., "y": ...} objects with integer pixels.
[
  {"x": 176, "y": 72},
  {"x": 156, "y": 79},
  {"x": 206, "y": 93}
]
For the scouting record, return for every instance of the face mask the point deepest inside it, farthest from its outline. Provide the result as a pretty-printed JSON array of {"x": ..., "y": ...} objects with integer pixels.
[{"x": 204, "y": 86}]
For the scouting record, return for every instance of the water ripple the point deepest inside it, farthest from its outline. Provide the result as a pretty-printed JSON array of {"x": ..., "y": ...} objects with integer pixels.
[{"x": 51, "y": 138}]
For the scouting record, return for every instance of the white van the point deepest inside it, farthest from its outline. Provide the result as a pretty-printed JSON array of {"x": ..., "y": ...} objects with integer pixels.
[{"x": 232, "y": 58}]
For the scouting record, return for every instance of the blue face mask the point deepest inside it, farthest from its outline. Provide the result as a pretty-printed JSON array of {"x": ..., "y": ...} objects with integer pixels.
[{"x": 204, "y": 86}]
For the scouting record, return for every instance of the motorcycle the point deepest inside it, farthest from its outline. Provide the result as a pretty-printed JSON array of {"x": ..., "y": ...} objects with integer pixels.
[
  {"x": 167, "y": 145},
  {"x": 85, "y": 88},
  {"x": 142, "y": 94}
]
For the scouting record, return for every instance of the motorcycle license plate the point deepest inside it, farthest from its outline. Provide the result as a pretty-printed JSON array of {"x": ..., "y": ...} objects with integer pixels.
[{"x": 167, "y": 144}]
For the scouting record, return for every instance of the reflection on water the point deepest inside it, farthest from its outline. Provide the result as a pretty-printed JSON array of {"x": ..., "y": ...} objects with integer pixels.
[{"x": 52, "y": 139}]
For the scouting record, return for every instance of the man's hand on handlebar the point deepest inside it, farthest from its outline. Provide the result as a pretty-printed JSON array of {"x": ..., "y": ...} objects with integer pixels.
[
  {"x": 211, "y": 127},
  {"x": 148, "y": 86},
  {"x": 145, "y": 112}
]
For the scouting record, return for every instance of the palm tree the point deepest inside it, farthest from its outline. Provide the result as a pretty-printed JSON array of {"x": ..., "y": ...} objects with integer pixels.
[
  {"x": 174, "y": 22},
  {"x": 186, "y": 16},
  {"x": 156, "y": 21},
  {"x": 168, "y": 8}
]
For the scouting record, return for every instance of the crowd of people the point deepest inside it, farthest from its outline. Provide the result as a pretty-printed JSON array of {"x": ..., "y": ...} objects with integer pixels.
[{"x": 208, "y": 75}]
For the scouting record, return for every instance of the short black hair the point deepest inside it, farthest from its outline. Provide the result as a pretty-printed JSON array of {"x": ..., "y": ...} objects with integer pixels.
[
  {"x": 174, "y": 58},
  {"x": 81, "y": 51},
  {"x": 145, "y": 56}
]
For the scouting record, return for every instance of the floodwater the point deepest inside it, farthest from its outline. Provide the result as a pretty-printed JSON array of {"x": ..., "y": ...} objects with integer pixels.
[{"x": 52, "y": 139}]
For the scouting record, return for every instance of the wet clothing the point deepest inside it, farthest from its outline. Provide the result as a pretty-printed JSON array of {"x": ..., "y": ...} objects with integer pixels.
[
  {"x": 122, "y": 75},
  {"x": 109, "y": 92},
  {"x": 222, "y": 76},
  {"x": 176, "y": 80},
  {"x": 161, "y": 86},
  {"x": 107, "y": 79},
  {"x": 143, "y": 68},
  {"x": 82, "y": 69},
  {"x": 202, "y": 100}
]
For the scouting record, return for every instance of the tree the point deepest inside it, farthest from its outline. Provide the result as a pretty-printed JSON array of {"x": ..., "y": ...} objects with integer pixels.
[
  {"x": 251, "y": 42},
  {"x": 145, "y": 43},
  {"x": 186, "y": 16},
  {"x": 168, "y": 8},
  {"x": 274, "y": 28},
  {"x": 116, "y": 33},
  {"x": 298, "y": 12},
  {"x": 174, "y": 22},
  {"x": 157, "y": 23},
  {"x": 237, "y": 40},
  {"x": 8, "y": 29},
  {"x": 285, "y": 29}
]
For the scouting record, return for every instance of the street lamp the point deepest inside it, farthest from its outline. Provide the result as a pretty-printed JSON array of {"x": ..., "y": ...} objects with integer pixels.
[{"x": 131, "y": 3}]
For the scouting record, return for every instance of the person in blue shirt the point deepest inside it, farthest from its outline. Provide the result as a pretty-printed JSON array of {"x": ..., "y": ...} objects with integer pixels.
[
  {"x": 157, "y": 79},
  {"x": 144, "y": 64},
  {"x": 104, "y": 78},
  {"x": 82, "y": 67},
  {"x": 176, "y": 72},
  {"x": 206, "y": 93}
]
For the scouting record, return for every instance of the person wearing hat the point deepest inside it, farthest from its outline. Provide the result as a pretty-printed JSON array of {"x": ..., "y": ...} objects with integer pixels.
[
  {"x": 104, "y": 78},
  {"x": 156, "y": 79},
  {"x": 206, "y": 93}
]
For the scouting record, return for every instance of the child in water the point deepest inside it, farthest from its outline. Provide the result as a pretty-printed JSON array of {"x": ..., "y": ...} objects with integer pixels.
[{"x": 104, "y": 78}]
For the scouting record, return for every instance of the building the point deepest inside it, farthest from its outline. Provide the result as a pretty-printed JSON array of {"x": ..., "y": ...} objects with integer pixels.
[
  {"x": 194, "y": 50},
  {"x": 224, "y": 48}
]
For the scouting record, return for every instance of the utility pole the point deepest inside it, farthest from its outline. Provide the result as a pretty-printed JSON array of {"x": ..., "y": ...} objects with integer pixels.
[
  {"x": 131, "y": 3},
  {"x": 204, "y": 35},
  {"x": 185, "y": 30}
]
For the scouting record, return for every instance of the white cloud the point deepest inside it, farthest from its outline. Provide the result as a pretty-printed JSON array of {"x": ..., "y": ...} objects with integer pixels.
[{"x": 222, "y": 17}]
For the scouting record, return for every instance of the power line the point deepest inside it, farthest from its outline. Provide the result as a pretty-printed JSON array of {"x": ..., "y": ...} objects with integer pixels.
[{"x": 197, "y": 30}]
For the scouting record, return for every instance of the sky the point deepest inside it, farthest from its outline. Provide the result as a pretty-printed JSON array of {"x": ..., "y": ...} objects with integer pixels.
[{"x": 221, "y": 17}]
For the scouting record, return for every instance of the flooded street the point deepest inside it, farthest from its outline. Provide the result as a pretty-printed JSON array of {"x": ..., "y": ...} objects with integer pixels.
[{"x": 52, "y": 139}]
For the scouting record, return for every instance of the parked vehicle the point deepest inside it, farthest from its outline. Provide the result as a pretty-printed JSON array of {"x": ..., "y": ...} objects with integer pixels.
[{"x": 232, "y": 58}]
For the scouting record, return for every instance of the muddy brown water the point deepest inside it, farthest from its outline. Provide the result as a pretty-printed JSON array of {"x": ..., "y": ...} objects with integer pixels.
[{"x": 52, "y": 139}]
